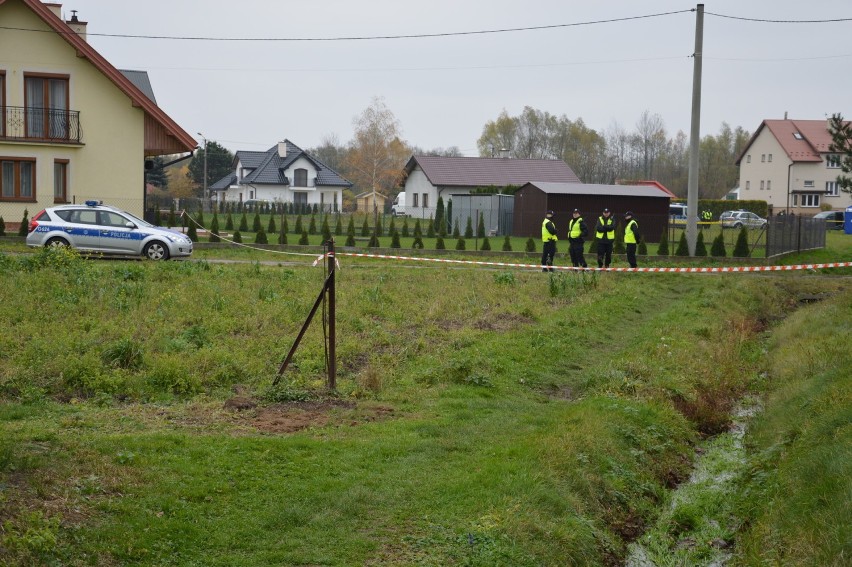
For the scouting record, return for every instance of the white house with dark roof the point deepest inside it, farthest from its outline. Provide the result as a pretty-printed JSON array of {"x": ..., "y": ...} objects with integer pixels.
[
  {"x": 430, "y": 177},
  {"x": 787, "y": 163},
  {"x": 284, "y": 173}
]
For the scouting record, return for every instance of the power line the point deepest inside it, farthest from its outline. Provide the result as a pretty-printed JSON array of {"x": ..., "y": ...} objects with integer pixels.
[
  {"x": 763, "y": 20},
  {"x": 365, "y": 38}
]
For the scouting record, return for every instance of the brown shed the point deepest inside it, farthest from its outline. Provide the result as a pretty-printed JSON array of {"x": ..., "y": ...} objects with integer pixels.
[
  {"x": 365, "y": 202},
  {"x": 649, "y": 204}
]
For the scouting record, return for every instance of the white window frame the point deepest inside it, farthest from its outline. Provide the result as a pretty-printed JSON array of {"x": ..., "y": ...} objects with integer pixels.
[
  {"x": 808, "y": 183},
  {"x": 762, "y": 158},
  {"x": 832, "y": 189},
  {"x": 810, "y": 200},
  {"x": 748, "y": 185},
  {"x": 769, "y": 185},
  {"x": 832, "y": 161},
  {"x": 770, "y": 158},
  {"x": 761, "y": 184}
]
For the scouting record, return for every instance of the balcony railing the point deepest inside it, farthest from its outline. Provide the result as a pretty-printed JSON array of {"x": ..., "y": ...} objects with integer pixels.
[{"x": 40, "y": 124}]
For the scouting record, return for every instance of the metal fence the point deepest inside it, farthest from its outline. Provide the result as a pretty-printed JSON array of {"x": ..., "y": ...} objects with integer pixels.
[{"x": 790, "y": 233}]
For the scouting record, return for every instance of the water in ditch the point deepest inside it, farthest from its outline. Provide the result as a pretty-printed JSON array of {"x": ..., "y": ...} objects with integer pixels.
[{"x": 698, "y": 526}]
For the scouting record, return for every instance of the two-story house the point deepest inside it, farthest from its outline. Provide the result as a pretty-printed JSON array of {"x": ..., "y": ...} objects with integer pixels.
[
  {"x": 787, "y": 163},
  {"x": 72, "y": 126},
  {"x": 284, "y": 173}
]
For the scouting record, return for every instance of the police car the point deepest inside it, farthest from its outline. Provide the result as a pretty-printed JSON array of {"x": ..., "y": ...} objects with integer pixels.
[{"x": 95, "y": 227}]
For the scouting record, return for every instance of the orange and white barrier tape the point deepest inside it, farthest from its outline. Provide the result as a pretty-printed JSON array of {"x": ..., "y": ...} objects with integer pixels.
[{"x": 730, "y": 269}]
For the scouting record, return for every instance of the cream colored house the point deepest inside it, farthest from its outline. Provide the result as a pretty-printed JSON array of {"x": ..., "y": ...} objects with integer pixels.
[
  {"x": 72, "y": 126},
  {"x": 787, "y": 163}
]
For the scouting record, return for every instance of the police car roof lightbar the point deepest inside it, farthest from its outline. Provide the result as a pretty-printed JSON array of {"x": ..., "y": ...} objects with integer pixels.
[{"x": 93, "y": 203}]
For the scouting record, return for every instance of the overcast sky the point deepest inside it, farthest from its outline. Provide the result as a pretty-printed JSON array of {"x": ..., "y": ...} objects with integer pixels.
[{"x": 249, "y": 95}]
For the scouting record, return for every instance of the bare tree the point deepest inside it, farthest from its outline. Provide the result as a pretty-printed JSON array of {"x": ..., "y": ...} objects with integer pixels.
[
  {"x": 377, "y": 155},
  {"x": 651, "y": 132}
]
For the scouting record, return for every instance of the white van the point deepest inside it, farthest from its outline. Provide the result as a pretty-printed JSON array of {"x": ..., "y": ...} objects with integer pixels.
[{"x": 398, "y": 207}]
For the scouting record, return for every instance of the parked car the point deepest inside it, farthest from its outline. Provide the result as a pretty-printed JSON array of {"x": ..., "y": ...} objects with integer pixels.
[
  {"x": 833, "y": 219},
  {"x": 737, "y": 219},
  {"x": 94, "y": 227}
]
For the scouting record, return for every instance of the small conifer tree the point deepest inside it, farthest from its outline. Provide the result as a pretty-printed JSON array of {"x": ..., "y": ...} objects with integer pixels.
[
  {"x": 374, "y": 241},
  {"x": 214, "y": 229},
  {"x": 392, "y": 226},
  {"x": 25, "y": 223},
  {"x": 430, "y": 228},
  {"x": 741, "y": 247},
  {"x": 200, "y": 218},
  {"x": 485, "y": 244},
  {"x": 326, "y": 230},
  {"x": 468, "y": 229},
  {"x": 480, "y": 226},
  {"x": 418, "y": 233},
  {"x": 439, "y": 243},
  {"x": 365, "y": 228},
  {"x": 338, "y": 227},
  {"x": 418, "y": 243},
  {"x": 449, "y": 213},
  {"x": 260, "y": 237},
  {"x": 2, "y": 226},
  {"x": 172, "y": 217},
  {"x": 717, "y": 249},
  {"x": 618, "y": 245},
  {"x": 312, "y": 226},
  {"x": 255, "y": 224},
  {"x": 456, "y": 231},
  {"x": 507, "y": 244},
  {"x": 663, "y": 246},
  {"x": 303, "y": 240},
  {"x": 439, "y": 221},
  {"x": 238, "y": 237},
  {"x": 460, "y": 245},
  {"x": 642, "y": 248},
  {"x": 350, "y": 228},
  {"x": 271, "y": 228},
  {"x": 298, "y": 229},
  {"x": 700, "y": 247},
  {"x": 229, "y": 222},
  {"x": 405, "y": 227},
  {"x": 682, "y": 246},
  {"x": 243, "y": 223},
  {"x": 191, "y": 233},
  {"x": 395, "y": 239},
  {"x": 158, "y": 221},
  {"x": 530, "y": 244},
  {"x": 380, "y": 228},
  {"x": 282, "y": 236}
]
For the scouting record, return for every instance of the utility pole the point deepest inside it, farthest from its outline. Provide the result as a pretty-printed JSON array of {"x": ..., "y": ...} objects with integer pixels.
[
  {"x": 204, "y": 193},
  {"x": 694, "y": 135}
]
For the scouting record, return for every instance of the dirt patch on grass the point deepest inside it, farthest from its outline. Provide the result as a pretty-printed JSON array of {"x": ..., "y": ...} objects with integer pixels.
[
  {"x": 502, "y": 322},
  {"x": 296, "y": 416}
]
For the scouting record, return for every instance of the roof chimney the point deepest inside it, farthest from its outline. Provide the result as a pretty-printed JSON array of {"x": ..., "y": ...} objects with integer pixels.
[
  {"x": 282, "y": 149},
  {"x": 77, "y": 26},
  {"x": 504, "y": 153},
  {"x": 785, "y": 115}
]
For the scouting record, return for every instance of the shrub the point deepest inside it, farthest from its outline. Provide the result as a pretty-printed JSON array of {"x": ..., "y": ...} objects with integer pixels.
[
  {"x": 124, "y": 353},
  {"x": 456, "y": 232},
  {"x": 2, "y": 226},
  {"x": 642, "y": 248},
  {"x": 460, "y": 245},
  {"x": 365, "y": 228},
  {"x": 741, "y": 249},
  {"x": 417, "y": 244},
  {"x": 717, "y": 250},
  {"x": 243, "y": 223},
  {"x": 700, "y": 247},
  {"x": 439, "y": 243},
  {"x": 395, "y": 240},
  {"x": 507, "y": 244},
  {"x": 480, "y": 226},
  {"x": 326, "y": 230},
  {"x": 260, "y": 237},
  {"x": 468, "y": 229},
  {"x": 618, "y": 245},
  {"x": 682, "y": 246},
  {"x": 282, "y": 236},
  {"x": 172, "y": 218},
  {"x": 298, "y": 228},
  {"x": 485, "y": 244},
  {"x": 303, "y": 240},
  {"x": 374, "y": 241},
  {"x": 430, "y": 228},
  {"x": 418, "y": 233},
  {"x": 338, "y": 227},
  {"x": 663, "y": 247},
  {"x": 158, "y": 221},
  {"x": 214, "y": 229},
  {"x": 530, "y": 244},
  {"x": 271, "y": 228},
  {"x": 238, "y": 237},
  {"x": 405, "y": 227},
  {"x": 191, "y": 233},
  {"x": 25, "y": 222},
  {"x": 312, "y": 226}
]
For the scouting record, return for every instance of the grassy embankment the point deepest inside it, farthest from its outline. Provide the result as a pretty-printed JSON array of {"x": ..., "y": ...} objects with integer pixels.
[{"x": 483, "y": 418}]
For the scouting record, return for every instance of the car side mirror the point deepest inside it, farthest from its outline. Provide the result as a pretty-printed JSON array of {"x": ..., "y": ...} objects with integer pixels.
[{"x": 129, "y": 224}]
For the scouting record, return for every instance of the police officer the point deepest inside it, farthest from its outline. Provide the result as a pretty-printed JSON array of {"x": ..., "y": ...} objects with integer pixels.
[
  {"x": 577, "y": 231},
  {"x": 605, "y": 233},
  {"x": 548, "y": 239},
  {"x": 631, "y": 237}
]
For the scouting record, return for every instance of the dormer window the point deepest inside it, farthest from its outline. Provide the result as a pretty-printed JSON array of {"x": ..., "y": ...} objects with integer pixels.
[
  {"x": 797, "y": 136},
  {"x": 300, "y": 178}
]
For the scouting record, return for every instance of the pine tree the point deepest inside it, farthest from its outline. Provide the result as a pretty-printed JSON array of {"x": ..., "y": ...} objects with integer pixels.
[
  {"x": 392, "y": 226},
  {"x": 530, "y": 244},
  {"x": 285, "y": 226},
  {"x": 618, "y": 245},
  {"x": 439, "y": 216},
  {"x": 700, "y": 247},
  {"x": 312, "y": 226},
  {"x": 25, "y": 223},
  {"x": 172, "y": 218},
  {"x": 417, "y": 244},
  {"x": 449, "y": 213},
  {"x": 365, "y": 228},
  {"x": 157, "y": 220},
  {"x": 374, "y": 241},
  {"x": 338, "y": 227},
  {"x": 395, "y": 239},
  {"x": 405, "y": 227},
  {"x": 191, "y": 232},
  {"x": 298, "y": 229},
  {"x": 507, "y": 244},
  {"x": 2, "y": 226},
  {"x": 238, "y": 237},
  {"x": 260, "y": 237},
  {"x": 326, "y": 230},
  {"x": 485, "y": 244},
  {"x": 682, "y": 246},
  {"x": 663, "y": 246},
  {"x": 229, "y": 222},
  {"x": 460, "y": 245},
  {"x": 439, "y": 242},
  {"x": 741, "y": 247},
  {"x": 717, "y": 249},
  {"x": 243, "y": 223},
  {"x": 430, "y": 228},
  {"x": 303, "y": 240},
  {"x": 282, "y": 236},
  {"x": 256, "y": 226},
  {"x": 271, "y": 228},
  {"x": 468, "y": 229},
  {"x": 480, "y": 226},
  {"x": 214, "y": 229},
  {"x": 200, "y": 218},
  {"x": 380, "y": 229},
  {"x": 418, "y": 233},
  {"x": 456, "y": 231},
  {"x": 642, "y": 248}
]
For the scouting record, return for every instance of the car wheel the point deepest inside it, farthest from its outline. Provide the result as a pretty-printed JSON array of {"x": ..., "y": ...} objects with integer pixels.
[
  {"x": 738, "y": 225},
  {"x": 56, "y": 242},
  {"x": 156, "y": 250}
]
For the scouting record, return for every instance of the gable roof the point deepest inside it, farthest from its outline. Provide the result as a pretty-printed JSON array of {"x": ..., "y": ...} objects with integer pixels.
[
  {"x": 142, "y": 82},
  {"x": 483, "y": 172},
  {"x": 813, "y": 138},
  {"x": 652, "y": 182},
  {"x": 184, "y": 142},
  {"x": 598, "y": 189},
  {"x": 269, "y": 167}
]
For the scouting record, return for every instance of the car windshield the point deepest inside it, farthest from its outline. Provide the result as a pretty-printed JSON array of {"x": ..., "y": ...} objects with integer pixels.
[{"x": 137, "y": 220}]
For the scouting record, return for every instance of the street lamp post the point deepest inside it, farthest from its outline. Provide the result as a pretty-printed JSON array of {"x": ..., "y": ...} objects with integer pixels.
[{"x": 204, "y": 193}]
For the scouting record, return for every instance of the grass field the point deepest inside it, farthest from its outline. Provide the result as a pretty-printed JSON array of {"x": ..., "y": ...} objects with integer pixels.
[{"x": 483, "y": 417}]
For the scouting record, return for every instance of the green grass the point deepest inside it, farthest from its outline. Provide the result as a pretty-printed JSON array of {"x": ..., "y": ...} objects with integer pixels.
[{"x": 484, "y": 417}]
